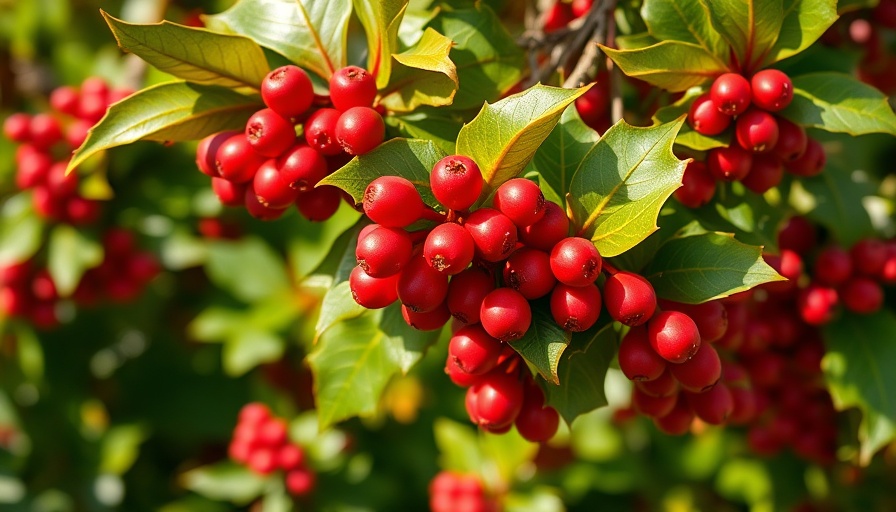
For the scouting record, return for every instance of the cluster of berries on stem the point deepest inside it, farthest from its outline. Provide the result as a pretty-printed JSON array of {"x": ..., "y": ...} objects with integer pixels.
[
  {"x": 261, "y": 442},
  {"x": 267, "y": 168}
]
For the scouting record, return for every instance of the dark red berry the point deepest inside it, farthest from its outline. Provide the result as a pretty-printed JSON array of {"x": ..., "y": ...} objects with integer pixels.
[
  {"x": 228, "y": 192},
  {"x": 505, "y": 314},
  {"x": 352, "y": 86},
  {"x": 547, "y": 232},
  {"x": 536, "y": 422},
  {"x": 664, "y": 385},
  {"x": 594, "y": 105},
  {"x": 384, "y": 251},
  {"x": 792, "y": 140},
  {"x": 494, "y": 234},
  {"x": 798, "y": 235},
  {"x": 704, "y": 117},
  {"x": 392, "y": 201},
  {"x": 207, "y": 152},
  {"x": 629, "y": 298},
  {"x": 712, "y": 406},
  {"x": 320, "y": 131},
  {"x": 528, "y": 271},
  {"x": 730, "y": 163},
  {"x": 473, "y": 350},
  {"x": 359, "y": 130},
  {"x": 811, "y": 163},
  {"x": 673, "y": 335},
  {"x": 270, "y": 134},
  {"x": 575, "y": 308},
  {"x": 731, "y": 93},
  {"x": 637, "y": 359},
  {"x": 449, "y": 248},
  {"x": 319, "y": 203},
  {"x": 678, "y": 421},
  {"x": 428, "y": 321},
  {"x": 521, "y": 200},
  {"x": 772, "y": 90},
  {"x": 456, "y": 182},
  {"x": 257, "y": 209},
  {"x": 862, "y": 294},
  {"x": 701, "y": 371},
  {"x": 370, "y": 292},
  {"x": 466, "y": 291},
  {"x": 766, "y": 173},
  {"x": 652, "y": 406},
  {"x": 868, "y": 256},
  {"x": 420, "y": 287},
  {"x": 756, "y": 131},
  {"x": 287, "y": 91},
  {"x": 833, "y": 266},
  {"x": 575, "y": 261},
  {"x": 697, "y": 185}
]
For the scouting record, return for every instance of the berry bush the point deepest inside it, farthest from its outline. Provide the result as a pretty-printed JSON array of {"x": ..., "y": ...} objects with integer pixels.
[{"x": 488, "y": 256}]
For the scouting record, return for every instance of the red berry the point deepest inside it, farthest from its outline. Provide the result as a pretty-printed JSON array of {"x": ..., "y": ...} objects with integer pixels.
[
  {"x": 704, "y": 117},
  {"x": 300, "y": 481},
  {"x": 320, "y": 131},
  {"x": 271, "y": 189},
  {"x": 712, "y": 406},
  {"x": 270, "y": 134},
  {"x": 449, "y": 248},
  {"x": 17, "y": 127},
  {"x": 792, "y": 140},
  {"x": 652, "y": 406},
  {"x": 730, "y": 163},
  {"x": 456, "y": 182},
  {"x": 547, "y": 232},
  {"x": 498, "y": 399},
  {"x": 371, "y": 292},
  {"x": 772, "y": 90},
  {"x": 33, "y": 168},
  {"x": 466, "y": 291},
  {"x": 833, "y": 266},
  {"x": 664, "y": 385},
  {"x": 731, "y": 93},
  {"x": 302, "y": 167},
  {"x": 711, "y": 318},
  {"x": 766, "y": 173},
  {"x": 384, "y": 251},
  {"x": 581, "y": 7},
  {"x": 143, "y": 267},
  {"x": 428, "y": 321},
  {"x": 811, "y": 163},
  {"x": 473, "y": 350},
  {"x": 272, "y": 433},
  {"x": 459, "y": 377},
  {"x": 817, "y": 304},
  {"x": 673, "y": 335},
  {"x": 392, "y": 201},
  {"x": 228, "y": 192},
  {"x": 756, "y": 131},
  {"x": 557, "y": 16},
  {"x": 575, "y": 261},
  {"x": 236, "y": 161},
  {"x": 287, "y": 91},
  {"x": 575, "y": 308},
  {"x": 257, "y": 209},
  {"x": 637, "y": 359},
  {"x": 319, "y": 203},
  {"x": 65, "y": 99},
  {"x": 536, "y": 422},
  {"x": 207, "y": 151},
  {"x": 80, "y": 211},
  {"x": 420, "y": 287},
  {"x": 798, "y": 235},
  {"x": 679, "y": 419},
  {"x": 868, "y": 256},
  {"x": 359, "y": 130},
  {"x": 45, "y": 131},
  {"x": 262, "y": 461},
  {"x": 59, "y": 183},
  {"x": 630, "y": 298},
  {"x": 862, "y": 295},
  {"x": 494, "y": 234},
  {"x": 700, "y": 372},
  {"x": 528, "y": 271},
  {"x": 290, "y": 457},
  {"x": 352, "y": 86},
  {"x": 521, "y": 201},
  {"x": 697, "y": 185},
  {"x": 594, "y": 105},
  {"x": 505, "y": 314}
]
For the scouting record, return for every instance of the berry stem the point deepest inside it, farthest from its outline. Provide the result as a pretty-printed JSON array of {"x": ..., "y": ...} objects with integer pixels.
[{"x": 608, "y": 268}]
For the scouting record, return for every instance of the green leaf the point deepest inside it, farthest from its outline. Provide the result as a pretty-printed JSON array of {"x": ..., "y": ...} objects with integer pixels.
[
  {"x": 686, "y": 21},
  {"x": 751, "y": 27},
  {"x": 436, "y": 126},
  {"x": 422, "y": 75},
  {"x": 172, "y": 111},
  {"x": 543, "y": 343},
  {"x": 751, "y": 217},
  {"x": 224, "y": 481},
  {"x": 858, "y": 367},
  {"x": 839, "y": 103},
  {"x": 21, "y": 231},
  {"x": 355, "y": 359},
  {"x": 459, "y": 448},
  {"x": 687, "y": 136},
  {"x": 338, "y": 304},
  {"x": 193, "y": 54},
  {"x": 30, "y": 352},
  {"x": 639, "y": 256},
  {"x": 249, "y": 348},
  {"x": 215, "y": 324},
  {"x": 488, "y": 60},
  {"x": 310, "y": 33},
  {"x": 381, "y": 20},
  {"x": 120, "y": 448},
  {"x": 837, "y": 203},
  {"x": 559, "y": 155},
  {"x": 70, "y": 254},
  {"x": 504, "y": 136},
  {"x": 804, "y": 22},
  {"x": 671, "y": 65},
  {"x": 582, "y": 373},
  {"x": 249, "y": 269},
  {"x": 698, "y": 268},
  {"x": 409, "y": 158},
  {"x": 618, "y": 190}
]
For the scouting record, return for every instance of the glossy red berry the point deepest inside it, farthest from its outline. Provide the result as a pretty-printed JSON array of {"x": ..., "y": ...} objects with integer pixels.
[
  {"x": 575, "y": 308},
  {"x": 792, "y": 140},
  {"x": 697, "y": 185},
  {"x": 629, "y": 297},
  {"x": 730, "y": 163},
  {"x": 557, "y": 16},
  {"x": 392, "y": 201},
  {"x": 466, "y": 291},
  {"x": 320, "y": 131},
  {"x": 371, "y": 292},
  {"x": 319, "y": 203},
  {"x": 575, "y": 261},
  {"x": 428, "y": 321},
  {"x": 498, "y": 400},
  {"x": 678, "y": 421},
  {"x": 594, "y": 105},
  {"x": 637, "y": 359},
  {"x": 352, "y": 86},
  {"x": 700, "y": 372},
  {"x": 228, "y": 192},
  {"x": 811, "y": 163},
  {"x": 765, "y": 173},
  {"x": 652, "y": 406},
  {"x": 756, "y": 131},
  {"x": 711, "y": 318},
  {"x": 521, "y": 200},
  {"x": 673, "y": 335},
  {"x": 862, "y": 294},
  {"x": 505, "y": 314},
  {"x": 817, "y": 304},
  {"x": 547, "y": 232},
  {"x": 731, "y": 93},
  {"x": 359, "y": 130},
  {"x": 528, "y": 271},
  {"x": 236, "y": 161},
  {"x": 664, "y": 385},
  {"x": 384, "y": 251},
  {"x": 494, "y": 234},
  {"x": 704, "y": 117},
  {"x": 473, "y": 350},
  {"x": 45, "y": 131},
  {"x": 420, "y": 287},
  {"x": 301, "y": 167},
  {"x": 449, "y": 248},
  {"x": 456, "y": 182},
  {"x": 287, "y": 91},
  {"x": 269, "y": 134},
  {"x": 257, "y": 209},
  {"x": 713, "y": 406},
  {"x": 207, "y": 150},
  {"x": 536, "y": 422},
  {"x": 772, "y": 90},
  {"x": 271, "y": 189}
]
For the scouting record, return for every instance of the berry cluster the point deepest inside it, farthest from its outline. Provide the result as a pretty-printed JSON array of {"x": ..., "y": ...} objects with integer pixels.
[
  {"x": 765, "y": 144},
  {"x": 261, "y": 442},
  {"x": 267, "y": 168},
  {"x": 46, "y": 141},
  {"x": 866, "y": 30},
  {"x": 30, "y": 292},
  {"x": 454, "y": 492}
]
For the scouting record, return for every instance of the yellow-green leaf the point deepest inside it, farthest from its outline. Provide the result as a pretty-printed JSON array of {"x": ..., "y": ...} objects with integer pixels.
[
  {"x": 381, "y": 20},
  {"x": 836, "y": 102},
  {"x": 672, "y": 65},
  {"x": 804, "y": 22},
  {"x": 422, "y": 75},
  {"x": 686, "y": 21},
  {"x": 751, "y": 27}
]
